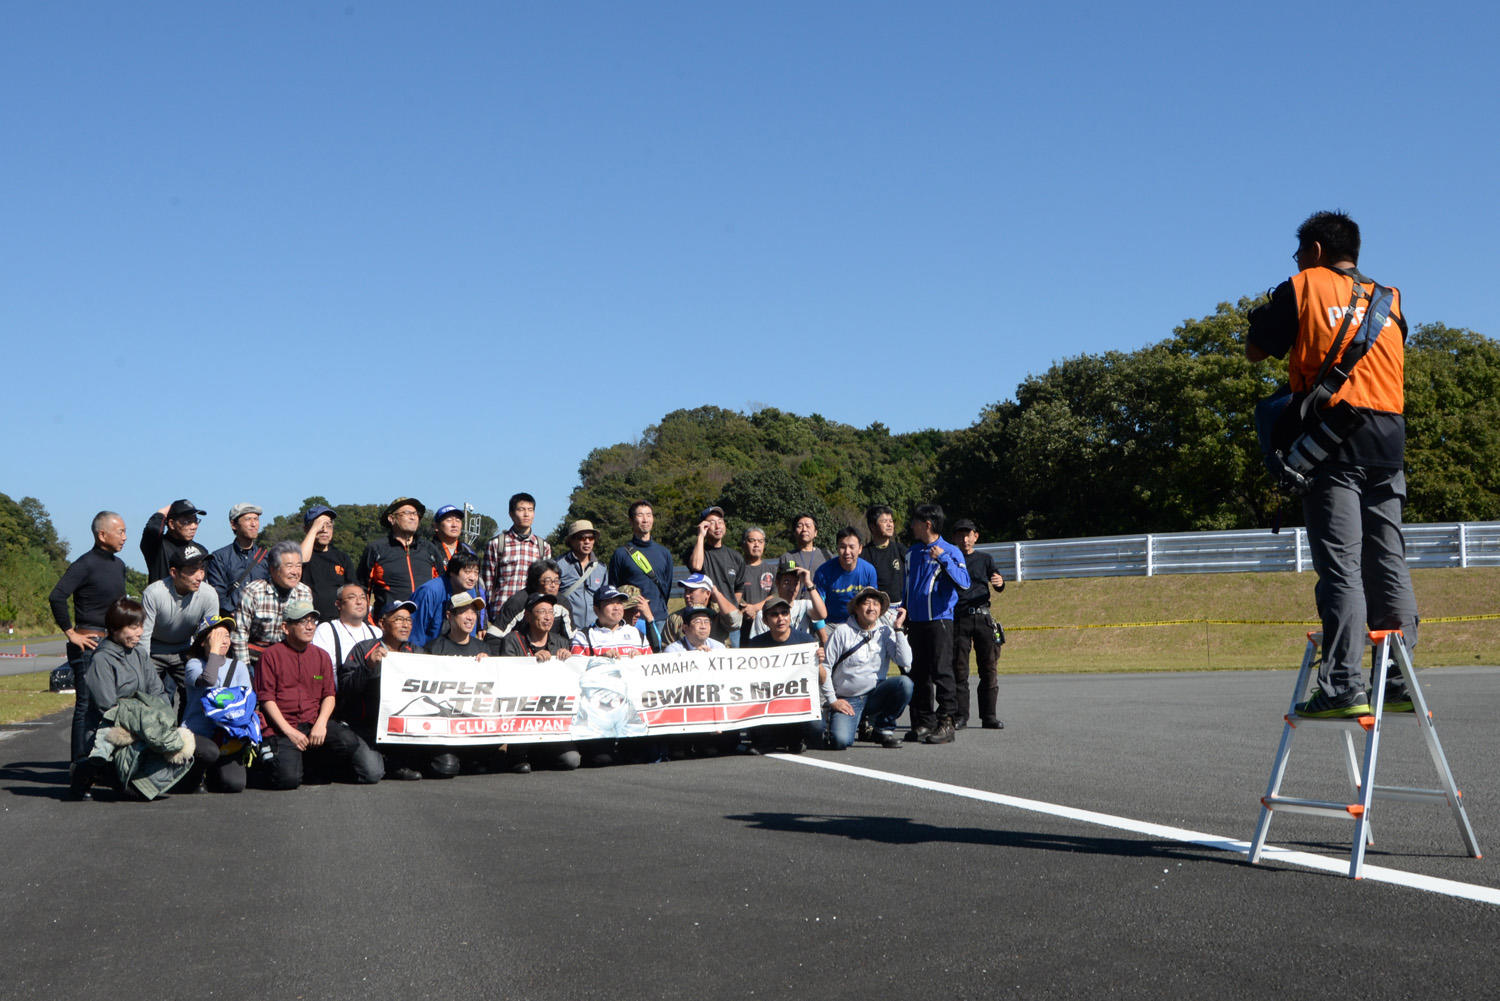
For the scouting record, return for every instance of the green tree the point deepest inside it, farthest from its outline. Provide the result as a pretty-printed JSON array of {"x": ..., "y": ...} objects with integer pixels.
[
  {"x": 1452, "y": 425},
  {"x": 32, "y": 558}
]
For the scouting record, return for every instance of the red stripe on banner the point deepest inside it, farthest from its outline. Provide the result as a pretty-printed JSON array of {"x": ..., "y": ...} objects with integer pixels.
[
  {"x": 395, "y": 725},
  {"x": 734, "y": 713}
]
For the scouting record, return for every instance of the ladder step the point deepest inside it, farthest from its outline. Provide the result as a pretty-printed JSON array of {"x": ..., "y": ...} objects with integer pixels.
[
  {"x": 1315, "y": 807},
  {"x": 1363, "y": 722},
  {"x": 1413, "y": 795}
]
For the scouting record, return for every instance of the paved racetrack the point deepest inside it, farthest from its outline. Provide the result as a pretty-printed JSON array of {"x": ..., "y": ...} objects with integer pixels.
[{"x": 771, "y": 877}]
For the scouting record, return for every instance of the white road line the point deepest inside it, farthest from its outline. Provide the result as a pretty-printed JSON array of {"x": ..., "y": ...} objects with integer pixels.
[{"x": 1375, "y": 873}]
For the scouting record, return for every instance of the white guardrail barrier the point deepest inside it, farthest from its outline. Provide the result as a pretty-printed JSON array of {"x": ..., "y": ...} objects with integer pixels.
[{"x": 1457, "y": 544}]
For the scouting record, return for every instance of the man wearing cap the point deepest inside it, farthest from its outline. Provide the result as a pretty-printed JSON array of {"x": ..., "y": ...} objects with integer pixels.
[
  {"x": 642, "y": 563},
  {"x": 260, "y": 619},
  {"x": 461, "y": 635},
  {"x": 697, "y": 623},
  {"x": 795, "y": 737},
  {"x": 856, "y": 690},
  {"x": 395, "y": 566},
  {"x": 511, "y": 553},
  {"x": 809, "y": 614},
  {"x": 294, "y": 685},
  {"x": 432, "y": 598},
  {"x": 974, "y": 627},
  {"x": 337, "y": 636},
  {"x": 609, "y": 636},
  {"x": 697, "y": 592},
  {"x": 359, "y": 699},
  {"x": 448, "y": 532},
  {"x": 243, "y": 560},
  {"x": 325, "y": 568},
  {"x": 842, "y": 578},
  {"x": 93, "y": 581},
  {"x": 174, "y": 607},
  {"x": 724, "y": 566},
  {"x": 167, "y": 531},
  {"x": 581, "y": 574}
]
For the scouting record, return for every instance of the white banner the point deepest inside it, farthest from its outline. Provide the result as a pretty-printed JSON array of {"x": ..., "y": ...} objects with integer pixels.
[{"x": 515, "y": 700}]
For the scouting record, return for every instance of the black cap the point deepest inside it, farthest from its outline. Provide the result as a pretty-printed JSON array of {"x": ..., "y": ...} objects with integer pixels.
[
  {"x": 187, "y": 556},
  {"x": 963, "y": 525},
  {"x": 540, "y": 598},
  {"x": 691, "y": 612},
  {"x": 182, "y": 507}
]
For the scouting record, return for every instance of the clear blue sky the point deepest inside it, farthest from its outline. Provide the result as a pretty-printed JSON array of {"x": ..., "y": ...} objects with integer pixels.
[{"x": 261, "y": 251}]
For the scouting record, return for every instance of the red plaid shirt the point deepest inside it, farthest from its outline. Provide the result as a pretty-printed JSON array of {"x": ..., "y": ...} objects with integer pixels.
[{"x": 503, "y": 578}]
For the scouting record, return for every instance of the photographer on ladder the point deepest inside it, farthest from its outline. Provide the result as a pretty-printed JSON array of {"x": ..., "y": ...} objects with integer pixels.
[{"x": 1353, "y": 494}]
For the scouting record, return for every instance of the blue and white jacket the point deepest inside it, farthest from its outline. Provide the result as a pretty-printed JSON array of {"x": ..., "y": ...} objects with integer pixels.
[{"x": 932, "y": 585}]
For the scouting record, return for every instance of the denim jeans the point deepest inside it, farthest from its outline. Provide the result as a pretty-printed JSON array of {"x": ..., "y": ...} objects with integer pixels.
[
  {"x": 79, "y": 660},
  {"x": 882, "y": 704}
]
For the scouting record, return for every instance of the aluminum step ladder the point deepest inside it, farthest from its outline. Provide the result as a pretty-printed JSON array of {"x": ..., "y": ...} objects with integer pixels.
[{"x": 1390, "y": 648}]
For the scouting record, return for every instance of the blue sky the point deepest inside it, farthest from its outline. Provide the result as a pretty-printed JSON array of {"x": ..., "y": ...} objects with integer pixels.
[{"x": 261, "y": 251}]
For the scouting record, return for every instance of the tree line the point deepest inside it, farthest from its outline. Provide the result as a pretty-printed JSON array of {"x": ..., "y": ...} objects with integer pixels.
[{"x": 1159, "y": 439}]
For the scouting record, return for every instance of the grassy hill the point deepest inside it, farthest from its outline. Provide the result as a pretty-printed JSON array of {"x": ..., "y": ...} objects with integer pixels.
[{"x": 1270, "y": 615}]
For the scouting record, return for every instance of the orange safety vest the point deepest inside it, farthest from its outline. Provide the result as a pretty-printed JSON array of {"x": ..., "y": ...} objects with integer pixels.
[{"x": 1377, "y": 382}]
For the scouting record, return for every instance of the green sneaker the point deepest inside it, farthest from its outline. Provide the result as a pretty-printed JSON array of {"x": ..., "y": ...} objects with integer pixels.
[
  {"x": 1398, "y": 700},
  {"x": 1321, "y": 706}
]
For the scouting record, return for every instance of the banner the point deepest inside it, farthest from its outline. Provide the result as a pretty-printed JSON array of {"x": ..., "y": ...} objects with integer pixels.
[{"x": 516, "y": 700}]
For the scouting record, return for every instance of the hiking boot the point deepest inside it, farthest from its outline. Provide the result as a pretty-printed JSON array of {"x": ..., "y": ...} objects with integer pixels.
[
  {"x": 1347, "y": 706},
  {"x": 917, "y": 734},
  {"x": 866, "y": 731},
  {"x": 888, "y": 739},
  {"x": 404, "y": 774},
  {"x": 942, "y": 734},
  {"x": 993, "y": 724}
]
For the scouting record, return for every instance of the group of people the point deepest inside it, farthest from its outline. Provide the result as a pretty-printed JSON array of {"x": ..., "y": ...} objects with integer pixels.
[{"x": 305, "y": 627}]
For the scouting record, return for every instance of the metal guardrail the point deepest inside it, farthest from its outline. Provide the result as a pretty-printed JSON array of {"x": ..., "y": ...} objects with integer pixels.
[{"x": 1458, "y": 544}]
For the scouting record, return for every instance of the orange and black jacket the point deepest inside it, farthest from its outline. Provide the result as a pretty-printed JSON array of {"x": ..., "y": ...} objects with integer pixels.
[
  {"x": 1300, "y": 324},
  {"x": 393, "y": 570}
]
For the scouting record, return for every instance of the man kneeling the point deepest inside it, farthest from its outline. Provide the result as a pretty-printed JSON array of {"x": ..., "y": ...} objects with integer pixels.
[
  {"x": 856, "y": 688},
  {"x": 294, "y": 686}
]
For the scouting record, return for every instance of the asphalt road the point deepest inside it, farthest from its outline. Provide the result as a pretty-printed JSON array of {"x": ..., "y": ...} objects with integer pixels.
[{"x": 765, "y": 877}]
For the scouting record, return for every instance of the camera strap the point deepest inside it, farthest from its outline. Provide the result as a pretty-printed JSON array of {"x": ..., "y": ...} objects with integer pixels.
[{"x": 1335, "y": 370}]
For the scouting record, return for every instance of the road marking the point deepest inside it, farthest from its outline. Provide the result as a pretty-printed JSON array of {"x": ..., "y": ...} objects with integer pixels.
[{"x": 1375, "y": 873}]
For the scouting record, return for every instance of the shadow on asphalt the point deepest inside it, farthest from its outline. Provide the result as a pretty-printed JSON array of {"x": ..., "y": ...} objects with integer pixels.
[
  {"x": 41, "y": 778},
  {"x": 901, "y": 831}
]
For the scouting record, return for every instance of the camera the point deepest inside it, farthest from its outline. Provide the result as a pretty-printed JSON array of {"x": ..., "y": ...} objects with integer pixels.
[{"x": 1310, "y": 448}]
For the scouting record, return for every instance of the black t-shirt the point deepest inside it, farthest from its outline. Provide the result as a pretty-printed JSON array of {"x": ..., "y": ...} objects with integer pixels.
[
  {"x": 890, "y": 569},
  {"x": 977, "y": 594},
  {"x": 324, "y": 574},
  {"x": 444, "y": 646}
]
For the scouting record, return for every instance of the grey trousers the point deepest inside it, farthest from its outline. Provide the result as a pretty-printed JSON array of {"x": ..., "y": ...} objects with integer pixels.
[{"x": 1354, "y": 529}]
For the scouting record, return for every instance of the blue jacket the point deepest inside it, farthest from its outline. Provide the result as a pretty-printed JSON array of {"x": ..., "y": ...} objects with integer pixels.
[
  {"x": 624, "y": 570},
  {"x": 431, "y": 600},
  {"x": 932, "y": 585},
  {"x": 231, "y": 568}
]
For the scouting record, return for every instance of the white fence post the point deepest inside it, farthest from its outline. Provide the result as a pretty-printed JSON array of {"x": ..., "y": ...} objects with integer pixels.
[
  {"x": 1018, "y": 561},
  {"x": 1297, "y": 537},
  {"x": 1150, "y": 556}
]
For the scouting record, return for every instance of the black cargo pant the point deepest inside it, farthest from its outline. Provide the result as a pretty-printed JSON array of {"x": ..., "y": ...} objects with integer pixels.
[{"x": 976, "y": 631}]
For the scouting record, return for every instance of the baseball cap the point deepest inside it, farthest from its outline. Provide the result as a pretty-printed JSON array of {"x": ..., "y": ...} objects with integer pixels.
[
  {"x": 608, "y": 594},
  {"x": 694, "y": 611},
  {"x": 402, "y": 502},
  {"x": 187, "y": 555},
  {"x": 540, "y": 598},
  {"x": 445, "y": 511},
  {"x": 392, "y": 607},
  {"x": 312, "y": 514},
  {"x": 182, "y": 507},
  {"x": 697, "y": 580},
  {"x": 773, "y": 602},
  {"x": 963, "y": 525},
  {"x": 242, "y": 509},
  {"x": 298, "y": 609},
  {"x": 213, "y": 622},
  {"x": 711, "y": 510}
]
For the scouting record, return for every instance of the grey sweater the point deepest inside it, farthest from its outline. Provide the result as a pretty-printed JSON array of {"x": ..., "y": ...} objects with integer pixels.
[{"x": 172, "y": 618}]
